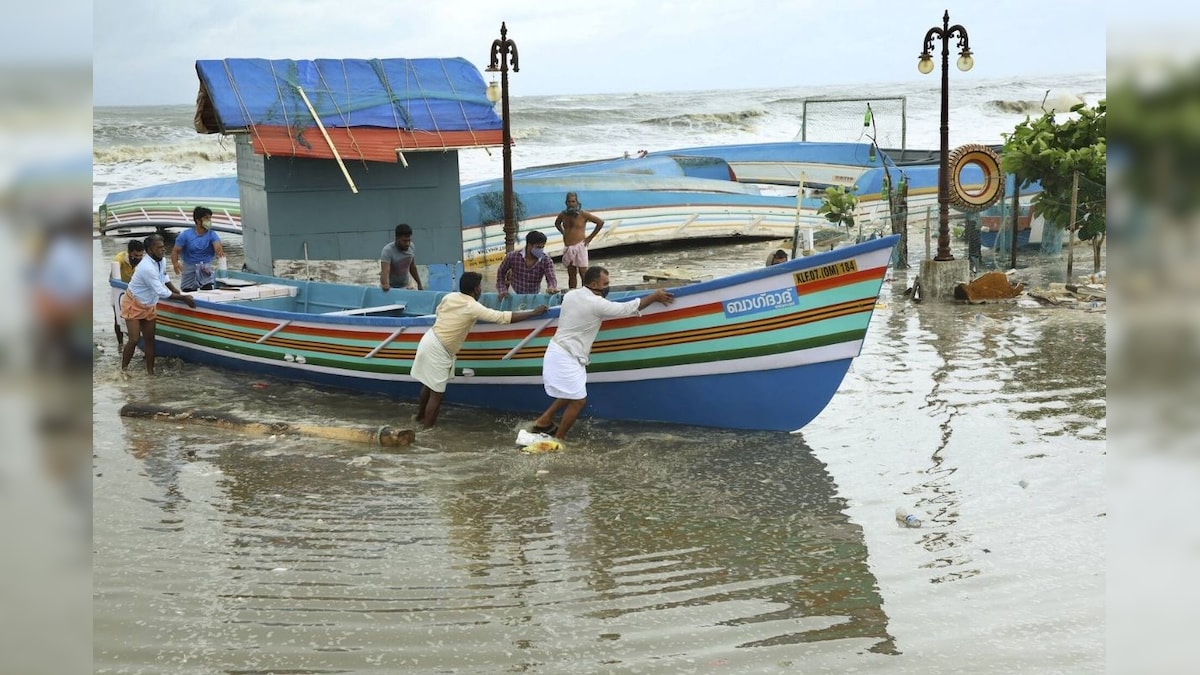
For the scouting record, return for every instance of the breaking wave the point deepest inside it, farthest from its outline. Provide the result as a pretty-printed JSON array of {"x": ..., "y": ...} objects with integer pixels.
[
  {"x": 741, "y": 119},
  {"x": 526, "y": 133},
  {"x": 183, "y": 154},
  {"x": 1056, "y": 102}
]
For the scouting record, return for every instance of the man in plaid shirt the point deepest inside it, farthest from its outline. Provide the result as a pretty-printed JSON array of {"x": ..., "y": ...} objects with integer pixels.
[{"x": 524, "y": 268}]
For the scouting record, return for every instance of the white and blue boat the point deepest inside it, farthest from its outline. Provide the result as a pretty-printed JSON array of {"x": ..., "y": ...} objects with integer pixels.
[{"x": 169, "y": 207}]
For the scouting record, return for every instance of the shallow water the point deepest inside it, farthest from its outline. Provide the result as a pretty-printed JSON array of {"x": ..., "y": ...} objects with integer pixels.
[{"x": 642, "y": 548}]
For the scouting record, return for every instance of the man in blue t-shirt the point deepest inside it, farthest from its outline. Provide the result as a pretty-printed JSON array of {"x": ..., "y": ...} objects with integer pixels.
[
  {"x": 398, "y": 262},
  {"x": 198, "y": 247}
]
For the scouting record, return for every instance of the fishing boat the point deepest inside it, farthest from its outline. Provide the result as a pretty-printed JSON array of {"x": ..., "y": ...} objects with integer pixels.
[
  {"x": 168, "y": 206},
  {"x": 762, "y": 349}
]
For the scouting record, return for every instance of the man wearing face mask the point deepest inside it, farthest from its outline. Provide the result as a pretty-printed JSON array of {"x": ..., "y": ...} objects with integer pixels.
[
  {"x": 194, "y": 252},
  {"x": 457, "y": 313},
  {"x": 572, "y": 223},
  {"x": 524, "y": 269},
  {"x": 564, "y": 368}
]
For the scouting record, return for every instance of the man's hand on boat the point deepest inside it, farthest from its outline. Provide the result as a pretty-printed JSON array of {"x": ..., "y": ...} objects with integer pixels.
[
  {"x": 530, "y": 313},
  {"x": 660, "y": 295},
  {"x": 540, "y": 310}
]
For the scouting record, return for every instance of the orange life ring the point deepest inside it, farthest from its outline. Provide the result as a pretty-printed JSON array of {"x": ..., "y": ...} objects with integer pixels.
[{"x": 992, "y": 189}]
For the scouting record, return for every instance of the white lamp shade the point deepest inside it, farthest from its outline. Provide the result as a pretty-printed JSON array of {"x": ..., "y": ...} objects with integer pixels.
[
  {"x": 965, "y": 62},
  {"x": 925, "y": 64},
  {"x": 493, "y": 91}
]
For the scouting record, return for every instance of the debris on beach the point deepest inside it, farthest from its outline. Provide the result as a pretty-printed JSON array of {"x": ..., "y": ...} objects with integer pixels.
[
  {"x": 677, "y": 275},
  {"x": 989, "y": 287},
  {"x": 1090, "y": 294},
  {"x": 384, "y": 436},
  {"x": 535, "y": 443}
]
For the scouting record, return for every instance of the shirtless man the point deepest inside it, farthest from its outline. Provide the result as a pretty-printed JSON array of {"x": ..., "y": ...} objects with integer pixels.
[{"x": 572, "y": 223}]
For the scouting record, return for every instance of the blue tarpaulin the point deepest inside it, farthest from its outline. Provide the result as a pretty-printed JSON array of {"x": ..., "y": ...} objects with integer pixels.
[{"x": 419, "y": 95}]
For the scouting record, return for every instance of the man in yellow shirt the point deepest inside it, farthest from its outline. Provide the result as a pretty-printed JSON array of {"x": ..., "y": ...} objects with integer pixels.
[
  {"x": 130, "y": 257},
  {"x": 457, "y": 313},
  {"x": 127, "y": 259}
]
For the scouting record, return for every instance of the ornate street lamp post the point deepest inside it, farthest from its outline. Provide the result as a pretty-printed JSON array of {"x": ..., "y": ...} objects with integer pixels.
[
  {"x": 504, "y": 50},
  {"x": 925, "y": 65}
]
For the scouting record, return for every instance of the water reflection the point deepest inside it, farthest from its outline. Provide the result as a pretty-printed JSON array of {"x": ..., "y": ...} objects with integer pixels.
[
  {"x": 160, "y": 464},
  {"x": 993, "y": 381},
  {"x": 639, "y": 546}
]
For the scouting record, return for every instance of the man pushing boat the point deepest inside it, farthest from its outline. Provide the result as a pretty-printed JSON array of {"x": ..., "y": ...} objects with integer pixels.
[
  {"x": 457, "y": 313},
  {"x": 564, "y": 368}
]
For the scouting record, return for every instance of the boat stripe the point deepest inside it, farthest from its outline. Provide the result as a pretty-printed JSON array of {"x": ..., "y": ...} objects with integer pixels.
[
  {"x": 379, "y": 332},
  {"x": 494, "y": 368},
  {"x": 224, "y": 336}
]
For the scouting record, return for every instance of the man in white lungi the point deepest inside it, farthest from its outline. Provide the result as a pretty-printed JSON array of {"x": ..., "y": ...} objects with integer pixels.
[
  {"x": 564, "y": 368},
  {"x": 457, "y": 313}
]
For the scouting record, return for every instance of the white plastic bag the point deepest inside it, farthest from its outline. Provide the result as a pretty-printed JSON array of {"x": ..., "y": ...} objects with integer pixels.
[{"x": 529, "y": 438}]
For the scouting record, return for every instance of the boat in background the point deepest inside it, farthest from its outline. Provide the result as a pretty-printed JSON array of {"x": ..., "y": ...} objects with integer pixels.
[
  {"x": 687, "y": 193},
  {"x": 784, "y": 163},
  {"x": 763, "y": 349},
  {"x": 169, "y": 207},
  {"x": 996, "y": 221},
  {"x": 640, "y": 200}
]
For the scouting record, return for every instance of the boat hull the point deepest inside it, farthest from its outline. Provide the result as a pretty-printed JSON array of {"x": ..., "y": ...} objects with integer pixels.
[{"x": 716, "y": 400}]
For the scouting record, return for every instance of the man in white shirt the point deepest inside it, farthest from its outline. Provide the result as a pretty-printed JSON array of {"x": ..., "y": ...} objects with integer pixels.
[
  {"x": 564, "y": 368},
  {"x": 139, "y": 305}
]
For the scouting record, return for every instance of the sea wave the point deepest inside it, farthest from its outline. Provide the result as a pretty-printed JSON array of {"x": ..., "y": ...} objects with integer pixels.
[
  {"x": 740, "y": 119},
  {"x": 179, "y": 154},
  {"x": 524, "y": 133},
  {"x": 562, "y": 116},
  {"x": 790, "y": 100},
  {"x": 1058, "y": 102}
]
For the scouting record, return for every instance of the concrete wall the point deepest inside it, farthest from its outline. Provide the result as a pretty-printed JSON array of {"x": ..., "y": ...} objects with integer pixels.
[{"x": 288, "y": 202}]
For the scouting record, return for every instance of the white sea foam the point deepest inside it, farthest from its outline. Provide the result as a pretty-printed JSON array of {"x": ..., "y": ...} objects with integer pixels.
[{"x": 185, "y": 154}]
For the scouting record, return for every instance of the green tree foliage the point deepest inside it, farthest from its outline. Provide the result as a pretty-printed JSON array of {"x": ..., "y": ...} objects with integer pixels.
[
  {"x": 1050, "y": 152},
  {"x": 839, "y": 205}
]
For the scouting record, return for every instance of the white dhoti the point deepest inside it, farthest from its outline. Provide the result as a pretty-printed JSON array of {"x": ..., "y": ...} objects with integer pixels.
[
  {"x": 433, "y": 366},
  {"x": 563, "y": 376}
]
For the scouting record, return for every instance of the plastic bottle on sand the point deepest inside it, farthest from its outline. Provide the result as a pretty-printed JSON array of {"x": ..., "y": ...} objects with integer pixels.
[{"x": 907, "y": 518}]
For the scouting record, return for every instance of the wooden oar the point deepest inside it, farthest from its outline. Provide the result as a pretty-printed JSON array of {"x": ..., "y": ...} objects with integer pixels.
[
  {"x": 524, "y": 342},
  {"x": 385, "y": 436}
]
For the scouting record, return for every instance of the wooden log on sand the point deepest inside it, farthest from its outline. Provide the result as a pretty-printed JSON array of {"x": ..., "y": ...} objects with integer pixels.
[{"x": 384, "y": 436}]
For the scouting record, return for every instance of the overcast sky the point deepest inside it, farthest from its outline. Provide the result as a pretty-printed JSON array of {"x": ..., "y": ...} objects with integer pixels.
[{"x": 145, "y": 50}]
